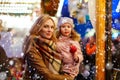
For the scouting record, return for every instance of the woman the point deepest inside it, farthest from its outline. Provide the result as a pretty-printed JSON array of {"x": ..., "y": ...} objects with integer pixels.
[
  {"x": 42, "y": 61},
  {"x": 68, "y": 45}
]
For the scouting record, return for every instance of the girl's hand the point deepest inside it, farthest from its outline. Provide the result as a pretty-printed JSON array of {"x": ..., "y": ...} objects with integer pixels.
[{"x": 73, "y": 49}]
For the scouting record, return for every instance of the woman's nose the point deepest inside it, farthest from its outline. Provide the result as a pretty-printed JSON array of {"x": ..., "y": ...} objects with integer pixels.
[{"x": 50, "y": 29}]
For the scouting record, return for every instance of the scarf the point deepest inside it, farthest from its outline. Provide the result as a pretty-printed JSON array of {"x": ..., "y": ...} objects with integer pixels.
[{"x": 47, "y": 47}]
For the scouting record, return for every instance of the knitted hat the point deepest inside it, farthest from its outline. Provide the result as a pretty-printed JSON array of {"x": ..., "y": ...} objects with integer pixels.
[{"x": 64, "y": 20}]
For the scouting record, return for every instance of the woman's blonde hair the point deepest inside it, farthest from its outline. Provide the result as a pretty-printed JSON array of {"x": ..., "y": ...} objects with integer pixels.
[
  {"x": 37, "y": 26},
  {"x": 35, "y": 31}
]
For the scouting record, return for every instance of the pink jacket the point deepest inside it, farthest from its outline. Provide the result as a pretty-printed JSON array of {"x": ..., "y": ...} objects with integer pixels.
[{"x": 70, "y": 66}]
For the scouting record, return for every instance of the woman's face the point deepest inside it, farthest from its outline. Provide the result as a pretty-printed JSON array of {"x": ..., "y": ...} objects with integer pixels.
[
  {"x": 47, "y": 29},
  {"x": 66, "y": 29}
]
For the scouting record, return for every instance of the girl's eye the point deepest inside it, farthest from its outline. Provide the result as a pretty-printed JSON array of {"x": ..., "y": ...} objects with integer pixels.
[
  {"x": 69, "y": 26},
  {"x": 63, "y": 26},
  {"x": 66, "y": 26}
]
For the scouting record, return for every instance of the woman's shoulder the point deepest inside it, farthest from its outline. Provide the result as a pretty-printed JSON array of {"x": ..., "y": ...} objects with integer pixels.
[
  {"x": 29, "y": 42},
  {"x": 32, "y": 39}
]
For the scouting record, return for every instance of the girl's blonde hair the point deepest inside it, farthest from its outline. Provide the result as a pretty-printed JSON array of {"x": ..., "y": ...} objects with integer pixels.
[{"x": 62, "y": 20}]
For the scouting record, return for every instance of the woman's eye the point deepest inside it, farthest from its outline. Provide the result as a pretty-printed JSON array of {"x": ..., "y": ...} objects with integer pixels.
[
  {"x": 46, "y": 26},
  {"x": 52, "y": 27}
]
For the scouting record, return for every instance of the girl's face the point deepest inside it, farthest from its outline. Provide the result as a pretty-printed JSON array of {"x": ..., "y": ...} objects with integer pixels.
[
  {"x": 66, "y": 29},
  {"x": 47, "y": 29}
]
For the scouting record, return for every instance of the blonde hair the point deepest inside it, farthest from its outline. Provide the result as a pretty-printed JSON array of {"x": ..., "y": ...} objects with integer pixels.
[
  {"x": 62, "y": 20},
  {"x": 37, "y": 26},
  {"x": 35, "y": 31}
]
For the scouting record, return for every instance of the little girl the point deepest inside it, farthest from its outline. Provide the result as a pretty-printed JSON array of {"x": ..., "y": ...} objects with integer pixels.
[{"x": 69, "y": 47}]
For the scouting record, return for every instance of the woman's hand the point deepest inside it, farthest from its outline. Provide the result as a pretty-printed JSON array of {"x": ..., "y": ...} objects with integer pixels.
[{"x": 75, "y": 57}]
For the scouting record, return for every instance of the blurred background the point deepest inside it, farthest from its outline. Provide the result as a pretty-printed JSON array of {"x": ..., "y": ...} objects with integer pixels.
[{"x": 17, "y": 17}]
